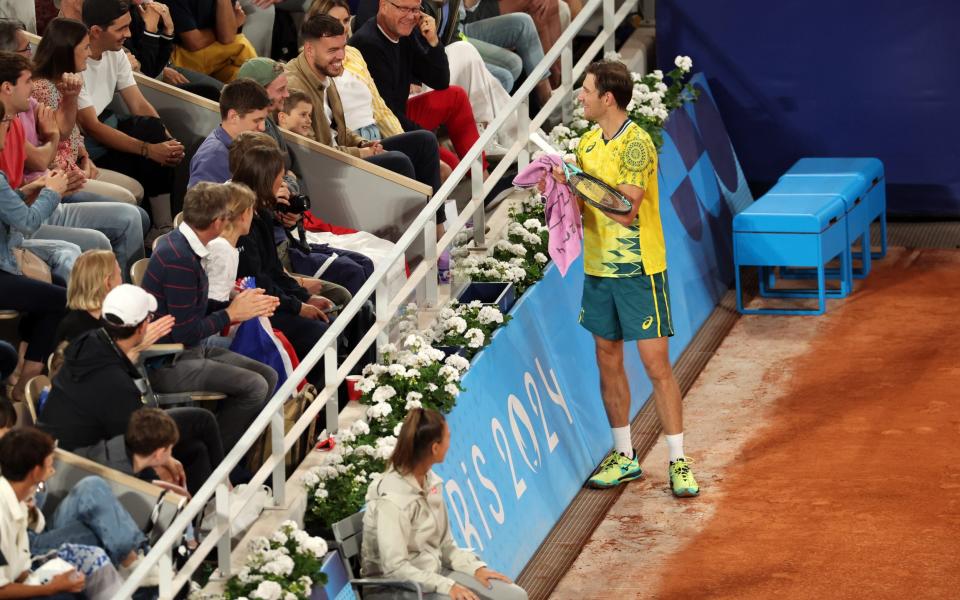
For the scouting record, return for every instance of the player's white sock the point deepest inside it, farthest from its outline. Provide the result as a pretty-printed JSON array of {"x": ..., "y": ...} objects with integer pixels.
[
  {"x": 675, "y": 445},
  {"x": 621, "y": 441}
]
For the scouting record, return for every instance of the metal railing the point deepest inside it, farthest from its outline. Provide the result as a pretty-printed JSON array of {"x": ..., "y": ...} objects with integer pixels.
[{"x": 422, "y": 281}]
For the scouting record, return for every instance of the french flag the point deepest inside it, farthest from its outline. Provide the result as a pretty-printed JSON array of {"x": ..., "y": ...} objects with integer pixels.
[{"x": 258, "y": 340}]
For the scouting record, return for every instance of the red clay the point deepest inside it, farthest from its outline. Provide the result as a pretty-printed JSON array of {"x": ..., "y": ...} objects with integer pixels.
[{"x": 852, "y": 489}]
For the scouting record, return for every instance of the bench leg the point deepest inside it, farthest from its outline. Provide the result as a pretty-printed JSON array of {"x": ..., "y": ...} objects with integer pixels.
[
  {"x": 736, "y": 271},
  {"x": 883, "y": 237},
  {"x": 822, "y": 289}
]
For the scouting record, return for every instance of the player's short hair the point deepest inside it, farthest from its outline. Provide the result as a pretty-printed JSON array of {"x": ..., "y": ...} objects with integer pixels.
[
  {"x": 614, "y": 77},
  {"x": 149, "y": 430},
  {"x": 295, "y": 98},
  {"x": 243, "y": 95},
  {"x": 320, "y": 26}
]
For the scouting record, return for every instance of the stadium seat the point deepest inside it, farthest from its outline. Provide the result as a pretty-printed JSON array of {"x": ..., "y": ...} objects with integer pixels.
[{"x": 348, "y": 536}]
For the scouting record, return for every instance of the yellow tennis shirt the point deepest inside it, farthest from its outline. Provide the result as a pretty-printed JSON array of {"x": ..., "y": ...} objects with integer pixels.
[{"x": 610, "y": 249}]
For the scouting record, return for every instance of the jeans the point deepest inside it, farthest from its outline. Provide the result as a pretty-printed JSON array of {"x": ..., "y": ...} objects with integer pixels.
[
  {"x": 89, "y": 224},
  {"x": 58, "y": 254},
  {"x": 492, "y": 37},
  {"x": 91, "y": 515},
  {"x": 247, "y": 383},
  {"x": 200, "y": 84},
  {"x": 83, "y": 196}
]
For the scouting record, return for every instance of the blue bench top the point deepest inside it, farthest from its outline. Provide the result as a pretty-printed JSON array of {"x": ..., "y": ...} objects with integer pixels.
[
  {"x": 869, "y": 168},
  {"x": 851, "y": 188},
  {"x": 804, "y": 213}
]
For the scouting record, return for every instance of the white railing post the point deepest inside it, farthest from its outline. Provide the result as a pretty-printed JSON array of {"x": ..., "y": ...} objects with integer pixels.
[
  {"x": 166, "y": 577},
  {"x": 222, "y": 505},
  {"x": 609, "y": 26},
  {"x": 523, "y": 132},
  {"x": 566, "y": 81},
  {"x": 479, "y": 215},
  {"x": 277, "y": 431},
  {"x": 330, "y": 378},
  {"x": 382, "y": 314},
  {"x": 427, "y": 292}
]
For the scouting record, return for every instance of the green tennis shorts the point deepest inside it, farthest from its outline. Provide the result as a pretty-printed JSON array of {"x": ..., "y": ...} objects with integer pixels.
[{"x": 627, "y": 308}]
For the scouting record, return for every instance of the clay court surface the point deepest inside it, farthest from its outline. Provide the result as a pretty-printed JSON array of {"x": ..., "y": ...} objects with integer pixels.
[{"x": 828, "y": 453}]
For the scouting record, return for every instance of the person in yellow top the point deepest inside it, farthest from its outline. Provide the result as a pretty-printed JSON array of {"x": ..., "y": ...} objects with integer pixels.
[{"x": 625, "y": 291}]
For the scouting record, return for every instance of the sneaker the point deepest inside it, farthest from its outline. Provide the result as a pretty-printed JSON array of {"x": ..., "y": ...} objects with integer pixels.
[
  {"x": 681, "y": 479},
  {"x": 614, "y": 470}
]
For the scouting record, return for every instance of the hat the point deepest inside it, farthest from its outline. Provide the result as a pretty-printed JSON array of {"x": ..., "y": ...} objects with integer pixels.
[
  {"x": 128, "y": 305},
  {"x": 260, "y": 69}
]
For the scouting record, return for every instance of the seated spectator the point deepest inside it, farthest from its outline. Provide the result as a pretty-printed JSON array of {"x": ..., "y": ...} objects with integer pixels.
[
  {"x": 151, "y": 42},
  {"x": 63, "y": 53},
  {"x": 301, "y": 315},
  {"x": 42, "y": 304},
  {"x": 414, "y": 154},
  {"x": 295, "y": 114},
  {"x": 397, "y": 61},
  {"x": 137, "y": 145},
  {"x": 94, "y": 274},
  {"x": 90, "y": 515},
  {"x": 88, "y": 224},
  {"x": 207, "y": 38},
  {"x": 175, "y": 276},
  {"x": 406, "y": 531},
  {"x": 546, "y": 15},
  {"x": 244, "y": 106}
]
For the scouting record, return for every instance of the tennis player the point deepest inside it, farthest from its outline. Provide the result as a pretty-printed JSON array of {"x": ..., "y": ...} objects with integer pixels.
[{"x": 625, "y": 292}]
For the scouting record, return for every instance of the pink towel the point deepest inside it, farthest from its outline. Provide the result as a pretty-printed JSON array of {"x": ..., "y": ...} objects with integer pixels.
[{"x": 563, "y": 214}]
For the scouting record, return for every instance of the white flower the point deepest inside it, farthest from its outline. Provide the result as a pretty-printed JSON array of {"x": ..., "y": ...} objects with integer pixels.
[
  {"x": 475, "y": 339},
  {"x": 385, "y": 447},
  {"x": 366, "y": 384},
  {"x": 456, "y": 361},
  {"x": 458, "y": 324},
  {"x": 279, "y": 537},
  {"x": 414, "y": 396},
  {"x": 281, "y": 566},
  {"x": 396, "y": 370},
  {"x": 573, "y": 143},
  {"x": 489, "y": 314},
  {"x": 412, "y": 373},
  {"x": 360, "y": 427},
  {"x": 451, "y": 389},
  {"x": 643, "y": 88},
  {"x": 397, "y": 428},
  {"x": 304, "y": 581},
  {"x": 657, "y": 74},
  {"x": 384, "y": 393},
  {"x": 388, "y": 349},
  {"x": 412, "y": 340},
  {"x": 431, "y": 387},
  {"x": 267, "y": 590},
  {"x": 448, "y": 373},
  {"x": 412, "y": 404},
  {"x": 321, "y": 493},
  {"x": 378, "y": 411},
  {"x": 310, "y": 479},
  {"x": 541, "y": 258},
  {"x": 684, "y": 63}
]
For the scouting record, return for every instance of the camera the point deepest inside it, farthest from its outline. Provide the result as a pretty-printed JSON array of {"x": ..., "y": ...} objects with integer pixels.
[{"x": 299, "y": 204}]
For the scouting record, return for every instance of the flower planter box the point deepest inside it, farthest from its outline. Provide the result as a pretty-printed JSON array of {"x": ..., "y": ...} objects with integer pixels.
[
  {"x": 499, "y": 294},
  {"x": 451, "y": 350}
]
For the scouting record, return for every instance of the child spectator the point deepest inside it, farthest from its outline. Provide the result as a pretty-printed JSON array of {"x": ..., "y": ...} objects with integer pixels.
[{"x": 296, "y": 114}]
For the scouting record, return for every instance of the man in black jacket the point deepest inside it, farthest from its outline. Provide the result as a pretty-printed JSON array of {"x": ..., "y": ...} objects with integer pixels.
[
  {"x": 403, "y": 52},
  {"x": 99, "y": 387}
]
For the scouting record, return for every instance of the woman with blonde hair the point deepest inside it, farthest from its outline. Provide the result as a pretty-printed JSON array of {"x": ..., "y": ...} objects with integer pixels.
[
  {"x": 406, "y": 531},
  {"x": 223, "y": 258},
  {"x": 94, "y": 274}
]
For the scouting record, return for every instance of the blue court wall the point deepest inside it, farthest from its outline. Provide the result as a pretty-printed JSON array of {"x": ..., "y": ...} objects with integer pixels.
[
  {"x": 854, "y": 78},
  {"x": 530, "y": 426}
]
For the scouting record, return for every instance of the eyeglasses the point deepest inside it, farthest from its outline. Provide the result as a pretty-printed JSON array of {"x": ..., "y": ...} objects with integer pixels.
[{"x": 407, "y": 10}]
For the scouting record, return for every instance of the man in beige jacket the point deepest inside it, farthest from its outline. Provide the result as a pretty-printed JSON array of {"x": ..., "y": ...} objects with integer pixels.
[{"x": 414, "y": 154}]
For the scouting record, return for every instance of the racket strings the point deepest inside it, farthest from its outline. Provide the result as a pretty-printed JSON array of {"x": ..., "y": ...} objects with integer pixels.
[{"x": 595, "y": 192}]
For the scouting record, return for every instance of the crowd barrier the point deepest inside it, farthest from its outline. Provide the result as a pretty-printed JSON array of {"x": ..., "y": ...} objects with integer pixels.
[{"x": 530, "y": 426}]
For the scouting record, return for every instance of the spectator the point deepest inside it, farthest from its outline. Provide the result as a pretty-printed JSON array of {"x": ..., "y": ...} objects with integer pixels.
[
  {"x": 137, "y": 145},
  {"x": 175, "y": 276},
  {"x": 301, "y": 315},
  {"x": 42, "y": 304},
  {"x": 89, "y": 515},
  {"x": 223, "y": 258},
  {"x": 243, "y": 107},
  {"x": 8, "y": 414},
  {"x": 414, "y": 154},
  {"x": 63, "y": 53},
  {"x": 95, "y": 273},
  {"x": 207, "y": 38},
  {"x": 397, "y": 61},
  {"x": 9, "y": 359},
  {"x": 343, "y": 267},
  {"x": 295, "y": 115},
  {"x": 151, "y": 42},
  {"x": 406, "y": 531}
]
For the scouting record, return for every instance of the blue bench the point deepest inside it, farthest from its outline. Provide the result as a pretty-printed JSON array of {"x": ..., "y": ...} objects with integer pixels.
[
  {"x": 870, "y": 170},
  {"x": 808, "y": 231},
  {"x": 851, "y": 189}
]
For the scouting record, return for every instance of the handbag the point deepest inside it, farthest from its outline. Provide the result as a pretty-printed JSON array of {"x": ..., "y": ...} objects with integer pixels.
[{"x": 32, "y": 266}]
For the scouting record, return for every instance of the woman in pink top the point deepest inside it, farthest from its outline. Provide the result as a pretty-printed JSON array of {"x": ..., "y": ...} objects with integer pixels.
[{"x": 64, "y": 50}]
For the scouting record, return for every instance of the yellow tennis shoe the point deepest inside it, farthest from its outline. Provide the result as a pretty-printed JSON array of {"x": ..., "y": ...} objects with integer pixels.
[
  {"x": 614, "y": 470},
  {"x": 681, "y": 479}
]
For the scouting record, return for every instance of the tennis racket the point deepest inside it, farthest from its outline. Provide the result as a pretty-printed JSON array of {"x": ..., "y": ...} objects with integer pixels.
[{"x": 595, "y": 192}]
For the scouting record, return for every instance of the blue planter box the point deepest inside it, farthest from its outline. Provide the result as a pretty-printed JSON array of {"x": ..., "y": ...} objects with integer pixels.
[{"x": 501, "y": 295}]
